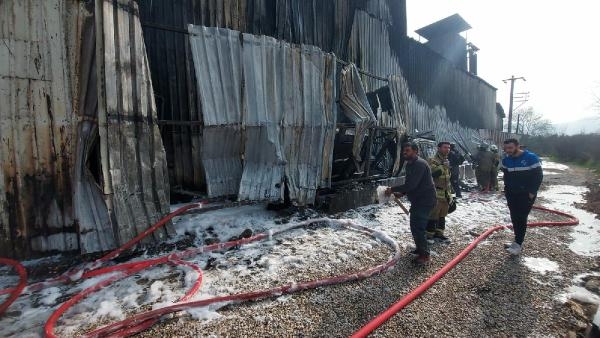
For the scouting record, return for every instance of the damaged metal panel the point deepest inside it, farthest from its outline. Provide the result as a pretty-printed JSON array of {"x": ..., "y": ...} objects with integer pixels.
[
  {"x": 399, "y": 116},
  {"x": 355, "y": 106},
  {"x": 173, "y": 74},
  {"x": 134, "y": 165},
  {"x": 423, "y": 119},
  {"x": 369, "y": 48},
  {"x": 217, "y": 61},
  {"x": 285, "y": 111},
  {"x": 95, "y": 226},
  {"x": 36, "y": 138},
  {"x": 305, "y": 130},
  {"x": 266, "y": 100}
]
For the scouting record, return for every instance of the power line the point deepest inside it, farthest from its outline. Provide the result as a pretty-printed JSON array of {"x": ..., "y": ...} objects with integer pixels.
[{"x": 510, "y": 105}]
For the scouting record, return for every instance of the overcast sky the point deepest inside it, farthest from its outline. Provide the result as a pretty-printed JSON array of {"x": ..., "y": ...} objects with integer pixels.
[{"x": 554, "y": 44}]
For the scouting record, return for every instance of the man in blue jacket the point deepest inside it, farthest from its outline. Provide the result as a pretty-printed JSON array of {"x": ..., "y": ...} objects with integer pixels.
[{"x": 522, "y": 179}]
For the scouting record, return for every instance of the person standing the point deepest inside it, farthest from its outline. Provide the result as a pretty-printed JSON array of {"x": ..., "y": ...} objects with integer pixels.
[
  {"x": 420, "y": 190},
  {"x": 484, "y": 160},
  {"x": 522, "y": 179},
  {"x": 456, "y": 159},
  {"x": 495, "y": 167},
  {"x": 440, "y": 171}
]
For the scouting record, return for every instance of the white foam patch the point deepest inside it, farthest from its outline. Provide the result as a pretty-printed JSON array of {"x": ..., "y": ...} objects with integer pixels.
[
  {"x": 381, "y": 196},
  {"x": 554, "y": 166},
  {"x": 206, "y": 313},
  {"x": 50, "y": 295},
  {"x": 540, "y": 265},
  {"x": 586, "y": 235},
  {"x": 581, "y": 294},
  {"x": 578, "y": 292}
]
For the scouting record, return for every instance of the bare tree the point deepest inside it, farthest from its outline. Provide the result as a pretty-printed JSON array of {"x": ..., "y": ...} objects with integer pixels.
[{"x": 533, "y": 124}]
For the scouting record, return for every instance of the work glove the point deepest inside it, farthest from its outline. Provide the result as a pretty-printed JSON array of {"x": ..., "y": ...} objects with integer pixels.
[{"x": 452, "y": 205}]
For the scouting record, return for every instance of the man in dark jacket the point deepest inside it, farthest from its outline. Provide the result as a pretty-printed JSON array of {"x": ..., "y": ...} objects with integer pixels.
[
  {"x": 522, "y": 179},
  {"x": 420, "y": 190},
  {"x": 456, "y": 159}
]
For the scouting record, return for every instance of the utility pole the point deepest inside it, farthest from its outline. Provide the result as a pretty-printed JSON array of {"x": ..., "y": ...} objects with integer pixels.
[
  {"x": 518, "y": 121},
  {"x": 510, "y": 105}
]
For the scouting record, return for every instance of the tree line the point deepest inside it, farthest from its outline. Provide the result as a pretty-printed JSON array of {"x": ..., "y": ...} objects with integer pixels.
[{"x": 582, "y": 149}]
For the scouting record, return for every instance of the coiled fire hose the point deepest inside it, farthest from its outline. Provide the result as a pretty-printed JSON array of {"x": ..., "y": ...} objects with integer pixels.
[{"x": 143, "y": 321}]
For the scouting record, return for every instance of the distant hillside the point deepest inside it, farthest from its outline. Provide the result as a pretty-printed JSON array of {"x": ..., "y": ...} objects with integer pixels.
[{"x": 588, "y": 125}]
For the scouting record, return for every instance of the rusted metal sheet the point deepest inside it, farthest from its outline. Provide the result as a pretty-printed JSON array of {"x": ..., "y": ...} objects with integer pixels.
[
  {"x": 134, "y": 167},
  {"x": 36, "y": 138},
  {"x": 82, "y": 165},
  {"x": 279, "y": 124}
]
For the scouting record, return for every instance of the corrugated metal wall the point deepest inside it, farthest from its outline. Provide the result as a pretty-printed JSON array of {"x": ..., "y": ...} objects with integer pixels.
[
  {"x": 65, "y": 183},
  {"x": 369, "y": 48},
  {"x": 435, "y": 120},
  {"x": 135, "y": 169},
  {"x": 269, "y": 115},
  {"x": 326, "y": 24},
  {"x": 437, "y": 82},
  {"x": 218, "y": 65},
  {"x": 36, "y": 128}
]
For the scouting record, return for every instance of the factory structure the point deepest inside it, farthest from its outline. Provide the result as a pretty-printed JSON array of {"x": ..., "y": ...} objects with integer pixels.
[{"x": 111, "y": 110}]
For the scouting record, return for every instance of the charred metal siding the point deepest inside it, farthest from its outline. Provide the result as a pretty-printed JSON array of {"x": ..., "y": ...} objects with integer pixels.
[
  {"x": 36, "y": 123},
  {"x": 435, "y": 120},
  {"x": 326, "y": 24},
  {"x": 134, "y": 166},
  {"x": 437, "y": 82},
  {"x": 369, "y": 48},
  {"x": 77, "y": 172},
  {"x": 217, "y": 59},
  {"x": 269, "y": 113}
]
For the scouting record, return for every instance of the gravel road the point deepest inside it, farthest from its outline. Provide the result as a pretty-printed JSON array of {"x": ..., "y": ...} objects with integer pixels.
[{"x": 488, "y": 294}]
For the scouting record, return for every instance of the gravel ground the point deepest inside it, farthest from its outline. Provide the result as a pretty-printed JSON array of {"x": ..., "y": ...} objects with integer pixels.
[{"x": 488, "y": 294}]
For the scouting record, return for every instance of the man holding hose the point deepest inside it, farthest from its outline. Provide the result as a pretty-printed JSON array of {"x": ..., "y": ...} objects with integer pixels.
[
  {"x": 522, "y": 179},
  {"x": 420, "y": 190}
]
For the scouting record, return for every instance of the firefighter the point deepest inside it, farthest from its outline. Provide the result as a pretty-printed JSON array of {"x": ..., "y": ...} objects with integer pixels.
[
  {"x": 483, "y": 172},
  {"x": 495, "y": 167},
  {"x": 440, "y": 171},
  {"x": 456, "y": 159}
]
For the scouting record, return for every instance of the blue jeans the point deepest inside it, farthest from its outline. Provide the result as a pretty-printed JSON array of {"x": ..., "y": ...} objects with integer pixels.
[{"x": 419, "y": 217}]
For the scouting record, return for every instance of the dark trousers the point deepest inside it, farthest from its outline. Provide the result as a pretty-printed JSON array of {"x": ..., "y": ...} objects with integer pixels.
[
  {"x": 419, "y": 216},
  {"x": 519, "y": 205},
  {"x": 455, "y": 180}
]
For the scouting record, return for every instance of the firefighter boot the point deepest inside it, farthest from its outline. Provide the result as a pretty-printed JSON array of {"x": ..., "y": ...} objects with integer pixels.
[{"x": 439, "y": 231}]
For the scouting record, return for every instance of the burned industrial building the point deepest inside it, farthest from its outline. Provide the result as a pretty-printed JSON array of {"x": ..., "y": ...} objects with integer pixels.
[{"x": 111, "y": 109}]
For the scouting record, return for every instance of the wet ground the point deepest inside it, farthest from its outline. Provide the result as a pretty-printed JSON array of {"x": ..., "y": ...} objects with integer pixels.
[{"x": 551, "y": 290}]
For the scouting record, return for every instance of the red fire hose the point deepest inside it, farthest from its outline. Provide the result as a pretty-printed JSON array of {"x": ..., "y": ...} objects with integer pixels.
[
  {"x": 143, "y": 321},
  {"x": 14, "y": 292},
  {"x": 414, "y": 294}
]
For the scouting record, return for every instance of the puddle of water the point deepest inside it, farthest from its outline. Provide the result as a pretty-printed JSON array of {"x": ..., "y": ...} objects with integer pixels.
[
  {"x": 540, "y": 265},
  {"x": 586, "y": 235}
]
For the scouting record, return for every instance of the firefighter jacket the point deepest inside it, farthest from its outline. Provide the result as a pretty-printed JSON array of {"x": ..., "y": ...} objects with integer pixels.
[{"x": 440, "y": 171}]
